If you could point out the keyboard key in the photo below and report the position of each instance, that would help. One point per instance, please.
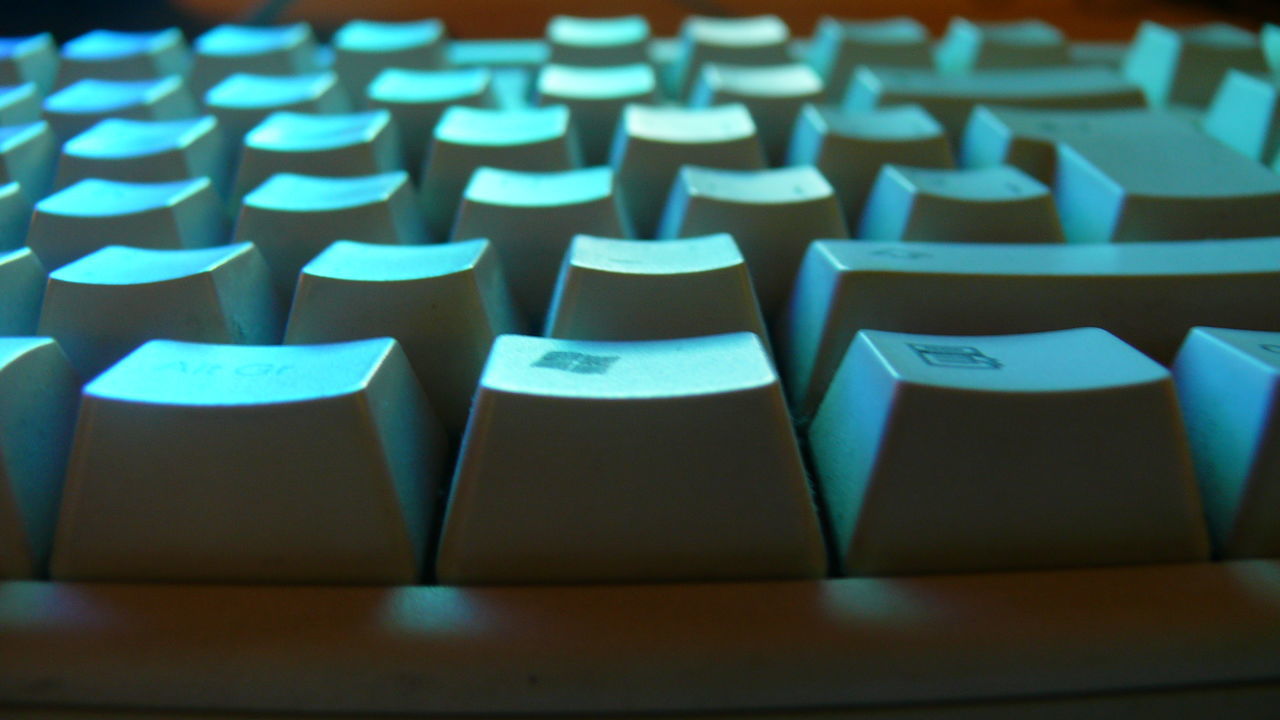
(28, 154)
(147, 151)
(839, 46)
(1245, 115)
(363, 48)
(227, 50)
(1185, 66)
(530, 217)
(242, 101)
(950, 98)
(969, 46)
(596, 97)
(970, 454)
(292, 218)
(1227, 387)
(641, 290)
(444, 303)
(654, 141)
(36, 420)
(999, 204)
(22, 281)
(343, 432)
(19, 104)
(598, 42)
(112, 55)
(773, 94)
(696, 411)
(80, 106)
(754, 40)
(15, 216)
(337, 145)
(850, 147)
(104, 305)
(772, 215)
(417, 99)
(1149, 294)
(31, 59)
(534, 140)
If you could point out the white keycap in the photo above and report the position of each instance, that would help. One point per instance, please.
(444, 303)
(598, 41)
(20, 104)
(1148, 294)
(36, 420)
(850, 147)
(839, 46)
(773, 94)
(754, 40)
(531, 217)
(1185, 66)
(533, 140)
(969, 46)
(417, 99)
(242, 101)
(596, 97)
(1227, 381)
(969, 454)
(337, 145)
(654, 141)
(15, 216)
(104, 305)
(147, 151)
(998, 204)
(363, 48)
(619, 462)
(641, 290)
(93, 214)
(343, 432)
(22, 281)
(267, 50)
(31, 59)
(1245, 115)
(79, 106)
(112, 55)
(292, 218)
(950, 98)
(28, 154)
(772, 215)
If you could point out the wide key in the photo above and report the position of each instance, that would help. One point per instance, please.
(444, 303)
(1149, 294)
(146, 151)
(241, 101)
(364, 48)
(970, 454)
(850, 147)
(104, 305)
(642, 290)
(596, 97)
(22, 279)
(969, 46)
(773, 94)
(417, 99)
(994, 204)
(93, 214)
(28, 154)
(292, 218)
(629, 462)
(259, 50)
(598, 42)
(31, 59)
(654, 141)
(839, 46)
(80, 106)
(41, 392)
(281, 464)
(534, 140)
(1227, 382)
(772, 215)
(754, 40)
(531, 217)
(113, 55)
(1186, 66)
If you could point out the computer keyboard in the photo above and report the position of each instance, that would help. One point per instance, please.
(742, 373)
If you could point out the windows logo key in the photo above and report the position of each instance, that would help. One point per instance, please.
(955, 356)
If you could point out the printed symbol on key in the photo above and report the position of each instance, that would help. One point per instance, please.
(903, 254)
(576, 362)
(1271, 348)
(955, 356)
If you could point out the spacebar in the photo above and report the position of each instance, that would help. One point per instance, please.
(813, 645)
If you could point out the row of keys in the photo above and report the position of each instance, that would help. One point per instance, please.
(909, 482)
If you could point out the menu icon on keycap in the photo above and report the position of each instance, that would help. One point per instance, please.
(955, 356)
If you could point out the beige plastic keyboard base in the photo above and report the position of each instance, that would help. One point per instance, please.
(1119, 640)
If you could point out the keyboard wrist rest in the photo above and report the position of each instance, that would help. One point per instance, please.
(846, 643)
